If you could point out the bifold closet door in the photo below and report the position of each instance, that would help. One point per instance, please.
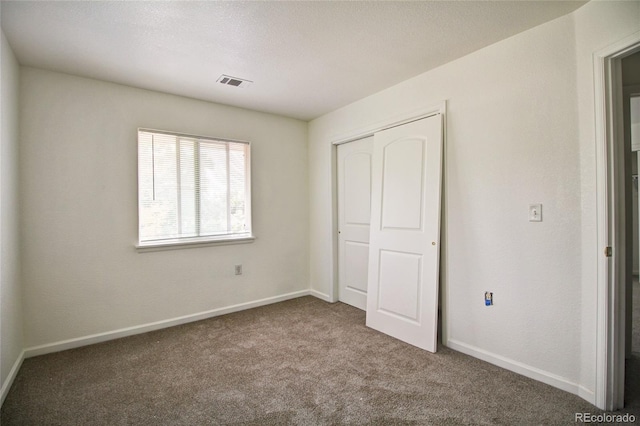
(354, 215)
(402, 290)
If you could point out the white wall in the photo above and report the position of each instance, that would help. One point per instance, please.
(10, 290)
(516, 134)
(82, 275)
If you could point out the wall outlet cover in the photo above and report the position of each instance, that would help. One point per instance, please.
(488, 298)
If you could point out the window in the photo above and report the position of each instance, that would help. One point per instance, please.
(192, 189)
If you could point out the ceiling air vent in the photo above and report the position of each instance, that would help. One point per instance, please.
(233, 81)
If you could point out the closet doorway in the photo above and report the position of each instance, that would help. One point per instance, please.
(389, 201)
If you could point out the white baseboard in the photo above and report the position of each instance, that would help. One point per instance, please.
(586, 394)
(321, 296)
(520, 368)
(144, 328)
(11, 377)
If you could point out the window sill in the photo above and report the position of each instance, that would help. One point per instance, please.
(192, 243)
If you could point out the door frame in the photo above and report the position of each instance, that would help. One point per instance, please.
(370, 130)
(610, 326)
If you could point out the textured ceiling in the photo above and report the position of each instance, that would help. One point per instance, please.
(305, 58)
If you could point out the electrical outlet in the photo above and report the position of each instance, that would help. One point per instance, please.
(238, 269)
(488, 298)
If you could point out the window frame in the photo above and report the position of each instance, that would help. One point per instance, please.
(199, 241)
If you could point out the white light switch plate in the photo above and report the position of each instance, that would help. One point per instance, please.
(535, 212)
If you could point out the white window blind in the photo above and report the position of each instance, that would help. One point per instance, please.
(192, 188)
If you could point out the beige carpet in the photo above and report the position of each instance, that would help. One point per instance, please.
(302, 361)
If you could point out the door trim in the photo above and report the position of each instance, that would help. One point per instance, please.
(610, 317)
(366, 131)
(393, 121)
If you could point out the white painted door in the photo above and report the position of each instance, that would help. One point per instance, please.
(354, 213)
(405, 232)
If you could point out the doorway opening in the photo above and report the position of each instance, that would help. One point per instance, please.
(614, 212)
(630, 67)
